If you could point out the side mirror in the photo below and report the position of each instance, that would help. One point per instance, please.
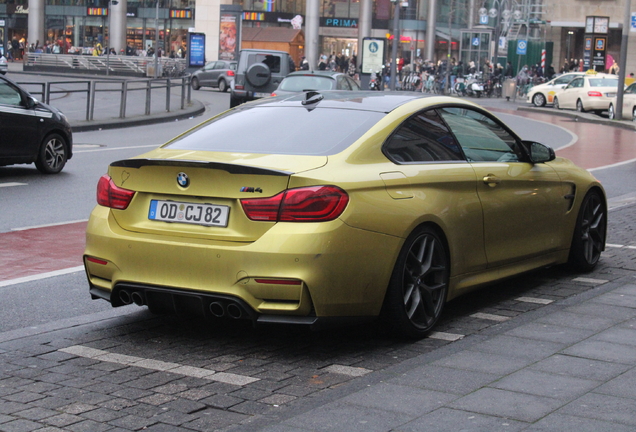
(539, 153)
(30, 102)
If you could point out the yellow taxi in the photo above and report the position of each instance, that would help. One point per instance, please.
(591, 92)
(543, 94)
(629, 104)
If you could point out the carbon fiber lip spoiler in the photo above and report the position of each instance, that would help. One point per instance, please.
(230, 168)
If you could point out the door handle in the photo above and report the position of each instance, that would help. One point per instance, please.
(492, 180)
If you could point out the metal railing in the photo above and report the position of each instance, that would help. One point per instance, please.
(104, 65)
(121, 87)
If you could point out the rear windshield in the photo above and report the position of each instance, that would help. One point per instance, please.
(272, 61)
(280, 130)
(603, 82)
(304, 83)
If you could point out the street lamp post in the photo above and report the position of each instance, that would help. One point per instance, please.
(396, 39)
(110, 39)
(157, 39)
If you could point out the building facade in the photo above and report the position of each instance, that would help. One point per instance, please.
(78, 25)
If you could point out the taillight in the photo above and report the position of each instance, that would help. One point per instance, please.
(594, 94)
(309, 204)
(273, 94)
(239, 87)
(230, 73)
(111, 195)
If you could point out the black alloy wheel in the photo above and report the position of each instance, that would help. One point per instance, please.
(53, 155)
(195, 83)
(419, 284)
(589, 233)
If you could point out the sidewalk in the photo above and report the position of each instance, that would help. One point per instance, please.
(107, 103)
(570, 366)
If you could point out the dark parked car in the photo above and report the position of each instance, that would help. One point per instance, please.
(302, 81)
(218, 74)
(258, 74)
(32, 131)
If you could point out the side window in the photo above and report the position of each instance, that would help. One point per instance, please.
(577, 83)
(209, 66)
(422, 138)
(353, 83)
(480, 137)
(9, 95)
(631, 89)
(343, 84)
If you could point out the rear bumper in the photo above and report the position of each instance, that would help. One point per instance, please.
(338, 271)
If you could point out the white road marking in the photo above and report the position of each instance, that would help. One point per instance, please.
(490, 317)
(614, 245)
(612, 165)
(9, 184)
(590, 280)
(41, 276)
(127, 360)
(49, 225)
(347, 370)
(445, 336)
(534, 300)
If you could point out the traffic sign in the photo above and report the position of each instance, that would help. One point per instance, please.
(522, 47)
(632, 27)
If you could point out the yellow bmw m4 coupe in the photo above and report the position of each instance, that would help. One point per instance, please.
(335, 207)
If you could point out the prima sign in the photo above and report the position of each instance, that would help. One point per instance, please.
(340, 22)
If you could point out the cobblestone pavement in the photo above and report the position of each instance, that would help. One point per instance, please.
(141, 372)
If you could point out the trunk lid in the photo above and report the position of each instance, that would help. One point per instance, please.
(214, 180)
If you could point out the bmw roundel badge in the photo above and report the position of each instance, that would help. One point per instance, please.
(183, 180)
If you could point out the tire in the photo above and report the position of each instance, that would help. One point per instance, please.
(588, 240)
(222, 85)
(634, 114)
(234, 102)
(53, 154)
(258, 74)
(538, 100)
(579, 106)
(195, 83)
(555, 103)
(419, 284)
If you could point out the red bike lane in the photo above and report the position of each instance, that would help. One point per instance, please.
(38, 251)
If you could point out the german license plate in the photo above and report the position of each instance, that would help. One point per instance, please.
(262, 95)
(189, 213)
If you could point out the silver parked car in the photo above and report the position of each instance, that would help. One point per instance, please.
(218, 74)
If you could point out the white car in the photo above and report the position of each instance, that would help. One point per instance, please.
(629, 104)
(591, 92)
(543, 94)
(3, 65)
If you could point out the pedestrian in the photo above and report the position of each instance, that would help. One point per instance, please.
(304, 64)
(351, 68)
(509, 72)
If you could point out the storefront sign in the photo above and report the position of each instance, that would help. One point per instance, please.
(93, 11)
(181, 13)
(230, 34)
(272, 17)
(600, 44)
(196, 49)
(17, 9)
(339, 22)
